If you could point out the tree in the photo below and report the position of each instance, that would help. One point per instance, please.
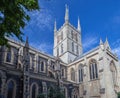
(13, 17)
(56, 93)
(118, 94)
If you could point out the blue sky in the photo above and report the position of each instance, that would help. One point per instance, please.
(98, 18)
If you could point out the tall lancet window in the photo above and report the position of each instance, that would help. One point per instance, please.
(72, 71)
(113, 71)
(61, 48)
(72, 34)
(77, 52)
(93, 69)
(8, 55)
(76, 37)
(11, 89)
(72, 46)
(80, 73)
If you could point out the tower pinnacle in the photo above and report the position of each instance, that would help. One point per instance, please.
(79, 27)
(101, 42)
(55, 26)
(66, 14)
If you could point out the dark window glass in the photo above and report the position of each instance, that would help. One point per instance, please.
(93, 71)
(10, 89)
(96, 70)
(42, 66)
(80, 75)
(8, 56)
(33, 91)
(90, 72)
(62, 72)
(53, 67)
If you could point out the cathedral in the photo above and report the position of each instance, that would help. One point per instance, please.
(26, 72)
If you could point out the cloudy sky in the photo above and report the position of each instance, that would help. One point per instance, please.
(99, 19)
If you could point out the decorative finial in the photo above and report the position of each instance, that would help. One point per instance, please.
(79, 27)
(101, 42)
(106, 41)
(66, 14)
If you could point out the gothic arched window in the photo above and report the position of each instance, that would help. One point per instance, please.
(80, 73)
(42, 66)
(11, 89)
(72, 74)
(113, 71)
(8, 56)
(93, 70)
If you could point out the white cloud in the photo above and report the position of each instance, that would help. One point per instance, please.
(41, 19)
(117, 51)
(116, 47)
(89, 42)
(44, 47)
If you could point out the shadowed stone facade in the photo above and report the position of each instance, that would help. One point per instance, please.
(26, 72)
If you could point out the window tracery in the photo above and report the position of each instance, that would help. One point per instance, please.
(93, 69)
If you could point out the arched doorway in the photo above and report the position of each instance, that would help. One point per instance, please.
(34, 90)
(11, 89)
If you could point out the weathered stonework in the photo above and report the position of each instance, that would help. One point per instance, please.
(27, 72)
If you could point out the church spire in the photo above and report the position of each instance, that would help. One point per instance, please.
(27, 43)
(79, 27)
(66, 14)
(55, 26)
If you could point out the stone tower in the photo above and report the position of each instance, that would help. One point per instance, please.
(67, 40)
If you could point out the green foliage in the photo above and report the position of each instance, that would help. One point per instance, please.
(41, 96)
(118, 94)
(13, 17)
(53, 93)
